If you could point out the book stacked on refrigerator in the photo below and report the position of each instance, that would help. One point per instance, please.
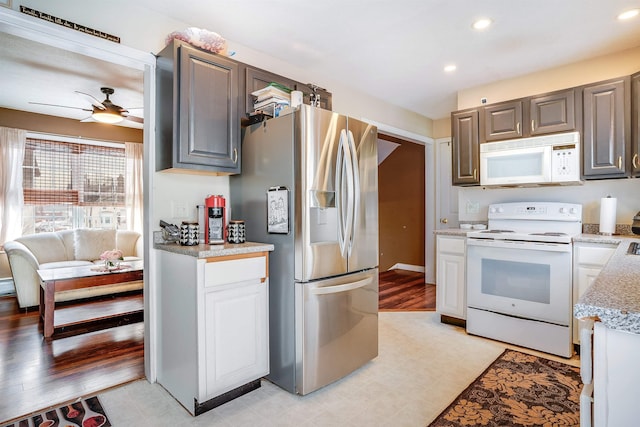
(271, 100)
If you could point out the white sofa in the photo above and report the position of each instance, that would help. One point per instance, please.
(68, 248)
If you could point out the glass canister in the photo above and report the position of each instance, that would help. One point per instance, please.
(189, 235)
(236, 231)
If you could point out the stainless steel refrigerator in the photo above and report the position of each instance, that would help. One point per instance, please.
(309, 186)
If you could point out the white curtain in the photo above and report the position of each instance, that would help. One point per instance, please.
(12, 143)
(133, 185)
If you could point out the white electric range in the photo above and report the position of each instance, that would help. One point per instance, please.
(519, 275)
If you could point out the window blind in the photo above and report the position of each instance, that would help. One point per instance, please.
(59, 173)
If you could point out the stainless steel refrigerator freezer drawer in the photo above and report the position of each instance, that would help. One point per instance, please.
(337, 323)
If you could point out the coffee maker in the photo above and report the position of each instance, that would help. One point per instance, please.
(215, 230)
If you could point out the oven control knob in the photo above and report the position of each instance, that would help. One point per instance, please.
(500, 209)
(573, 211)
(563, 210)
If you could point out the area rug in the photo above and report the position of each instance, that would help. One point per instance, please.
(84, 413)
(518, 389)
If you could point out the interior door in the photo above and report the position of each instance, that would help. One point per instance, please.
(447, 194)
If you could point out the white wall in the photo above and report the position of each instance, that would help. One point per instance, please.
(627, 192)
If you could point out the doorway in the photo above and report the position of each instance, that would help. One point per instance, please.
(401, 215)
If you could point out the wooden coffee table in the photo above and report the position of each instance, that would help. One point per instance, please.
(63, 279)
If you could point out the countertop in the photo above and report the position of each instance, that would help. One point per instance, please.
(208, 251)
(614, 296)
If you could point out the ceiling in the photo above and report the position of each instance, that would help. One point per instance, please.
(51, 76)
(392, 50)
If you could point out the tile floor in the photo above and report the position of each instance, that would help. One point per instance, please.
(422, 366)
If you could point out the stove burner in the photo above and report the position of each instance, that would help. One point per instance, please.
(549, 233)
(497, 231)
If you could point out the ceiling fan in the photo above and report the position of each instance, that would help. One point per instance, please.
(102, 111)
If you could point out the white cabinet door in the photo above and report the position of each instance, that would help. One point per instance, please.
(616, 376)
(450, 280)
(235, 335)
(589, 258)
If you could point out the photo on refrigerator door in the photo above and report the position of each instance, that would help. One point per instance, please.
(278, 210)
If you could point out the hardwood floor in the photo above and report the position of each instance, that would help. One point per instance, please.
(36, 373)
(403, 290)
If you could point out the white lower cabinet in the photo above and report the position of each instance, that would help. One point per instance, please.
(616, 376)
(588, 260)
(451, 298)
(213, 327)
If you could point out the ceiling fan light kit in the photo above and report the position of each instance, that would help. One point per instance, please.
(106, 117)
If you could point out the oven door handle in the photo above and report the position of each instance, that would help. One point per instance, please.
(517, 244)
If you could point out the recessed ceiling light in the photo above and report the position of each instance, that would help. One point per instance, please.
(482, 24)
(632, 13)
(450, 68)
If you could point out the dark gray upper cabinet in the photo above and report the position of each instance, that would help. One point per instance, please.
(606, 109)
(537, 115)
(501, 121)
(465, 147)
(197, 108)
(552, 113)
(635, 124)
(257, 78)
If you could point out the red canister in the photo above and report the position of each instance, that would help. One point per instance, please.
(215, 230)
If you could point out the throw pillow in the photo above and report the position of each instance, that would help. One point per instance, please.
(90, 244)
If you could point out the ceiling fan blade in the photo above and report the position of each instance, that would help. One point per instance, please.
(88, 120)
(61, 106)
(134, 119)
(92, 99)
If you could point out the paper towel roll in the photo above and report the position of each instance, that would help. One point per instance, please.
(608, 215)
(296, 98)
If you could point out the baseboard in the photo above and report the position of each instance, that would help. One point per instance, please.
(409, 267)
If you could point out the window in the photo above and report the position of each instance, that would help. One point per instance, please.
(71, 185)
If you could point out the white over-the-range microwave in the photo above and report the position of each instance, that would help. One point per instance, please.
(548, 159)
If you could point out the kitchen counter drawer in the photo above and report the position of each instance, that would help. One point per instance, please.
(226, 271)
(451, 245)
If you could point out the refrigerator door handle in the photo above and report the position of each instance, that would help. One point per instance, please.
(339, 189)
(355, 200)
(344, 190)
(340, 288)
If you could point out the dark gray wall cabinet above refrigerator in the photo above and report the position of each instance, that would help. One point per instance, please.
(197, 108)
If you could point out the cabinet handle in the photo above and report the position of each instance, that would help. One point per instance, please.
(620, 162)
(634, 161)
(518, 128)
(475, 173)
(235, 155)
(533, 125)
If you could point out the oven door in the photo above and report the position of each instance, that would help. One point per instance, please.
(521, 279)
